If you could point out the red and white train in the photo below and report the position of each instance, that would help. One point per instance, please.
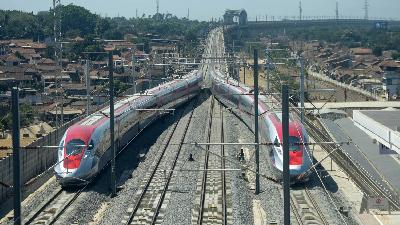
(237, 97)
(85, 147)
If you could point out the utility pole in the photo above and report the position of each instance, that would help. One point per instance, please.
(164, 66)
(158, 6)
(302, 89)
(366, 8)
(112, 134)
(337, 10)
(267, 67)
(16, 156)
(57, 56)
(133, 69)
(286, 171)
(244, 71)
(188, 13)
(300, 11)
(61, 85)
(256, 138)
(87, 88)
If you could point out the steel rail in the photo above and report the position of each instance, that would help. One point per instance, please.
(204, 178)
(315, 205)
(161, 200)
(223, 174)
(159, 160)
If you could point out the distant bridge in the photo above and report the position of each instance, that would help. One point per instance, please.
(255, 27)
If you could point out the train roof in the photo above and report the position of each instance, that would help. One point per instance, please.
(127, 103)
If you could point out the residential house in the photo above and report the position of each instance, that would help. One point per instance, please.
(12, 60)
(391, 79)
(75, 89)
(363, 55)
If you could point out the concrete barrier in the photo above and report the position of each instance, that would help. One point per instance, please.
(345, 86)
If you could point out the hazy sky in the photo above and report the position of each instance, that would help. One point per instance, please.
(205, 9)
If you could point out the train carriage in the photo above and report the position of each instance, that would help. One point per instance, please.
(239, 99)
(85, 147)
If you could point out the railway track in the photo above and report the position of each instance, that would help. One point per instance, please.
(54, 207)
(56, 204)
(305, 208)
(213, 193)
(151, 195)
(367, 184)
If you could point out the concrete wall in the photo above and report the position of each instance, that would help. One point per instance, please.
(33, 161)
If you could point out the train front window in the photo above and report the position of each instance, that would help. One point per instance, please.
(75, 147)
(294, 144)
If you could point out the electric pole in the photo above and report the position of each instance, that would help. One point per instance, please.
(300, 11)
(337, 10)
(16, 156)
(366, 8)
(57, 51)
(112, 130)
(87, 87)
(285, 145)
(267, 67)
(302, 89)
(133, 69)
(256, 137)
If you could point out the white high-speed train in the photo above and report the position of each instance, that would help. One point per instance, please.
(237, 97)
(85, 147)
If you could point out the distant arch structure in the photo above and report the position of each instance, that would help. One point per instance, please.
(230, 15)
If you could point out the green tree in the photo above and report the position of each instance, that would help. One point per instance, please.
(27, 116)
(77, 20)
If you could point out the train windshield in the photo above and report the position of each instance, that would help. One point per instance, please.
(75, 147)
(294, 144)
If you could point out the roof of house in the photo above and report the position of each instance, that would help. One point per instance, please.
(389, 63)
(17, 76)
(361, 51)
(12, 58)
(23, 50)
(46, 61)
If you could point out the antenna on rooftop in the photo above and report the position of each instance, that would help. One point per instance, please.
(300, 11)
(366, 6)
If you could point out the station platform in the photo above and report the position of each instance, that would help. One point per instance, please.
(365, 151)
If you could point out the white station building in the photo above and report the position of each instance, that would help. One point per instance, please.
(381, 125)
